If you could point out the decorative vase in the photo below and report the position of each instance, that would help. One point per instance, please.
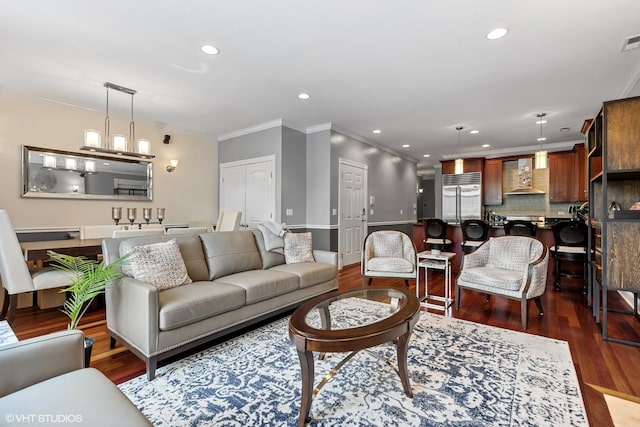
(88, 345)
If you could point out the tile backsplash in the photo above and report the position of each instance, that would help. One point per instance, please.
(528, 204)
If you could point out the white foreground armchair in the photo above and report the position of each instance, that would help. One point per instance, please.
(510, 266)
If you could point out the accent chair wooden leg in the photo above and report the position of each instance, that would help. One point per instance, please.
(370, 280)
(457, 297)
(5, 304)
(539, 305)
(13, 306)
(557, 287)
(524, 303)
(406, 283)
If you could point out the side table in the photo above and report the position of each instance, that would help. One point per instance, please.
(436, 261)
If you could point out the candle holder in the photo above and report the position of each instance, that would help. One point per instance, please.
(146, 214)
(116, 214)
(131, 215)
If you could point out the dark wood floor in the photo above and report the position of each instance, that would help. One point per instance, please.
(567, 317)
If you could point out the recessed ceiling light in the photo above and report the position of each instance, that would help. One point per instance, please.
(377, 131)
(486, 145)
(405, 146)
(210, 50)
(304, 95)
(475, 131)
(497, 33)
(426, 155)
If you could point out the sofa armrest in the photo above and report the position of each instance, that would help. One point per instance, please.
(34, 360)
(133, 311)
(325, 257)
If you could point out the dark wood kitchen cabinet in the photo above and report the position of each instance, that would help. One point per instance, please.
(567, 176)
(469, 165)
(492, 182)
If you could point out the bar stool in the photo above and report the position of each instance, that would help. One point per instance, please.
(570, 239)
(435, 232)
(474, 233)
(518, 227)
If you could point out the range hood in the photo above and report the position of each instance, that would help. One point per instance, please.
(516, 191)
(525, 179)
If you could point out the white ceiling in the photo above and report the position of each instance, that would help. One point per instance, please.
(415, 69)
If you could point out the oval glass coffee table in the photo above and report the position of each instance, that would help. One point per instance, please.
(350, 321)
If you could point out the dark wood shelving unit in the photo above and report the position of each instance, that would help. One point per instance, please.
(613, 141)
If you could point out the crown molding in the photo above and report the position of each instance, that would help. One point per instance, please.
(372, 143)
(251, 129)
(319, 128)
(515, 151)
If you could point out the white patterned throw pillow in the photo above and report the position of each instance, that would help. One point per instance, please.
(160, 264)
(298, 248)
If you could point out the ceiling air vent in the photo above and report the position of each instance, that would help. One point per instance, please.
(631, 43)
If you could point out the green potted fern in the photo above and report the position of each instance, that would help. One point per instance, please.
(89, 279)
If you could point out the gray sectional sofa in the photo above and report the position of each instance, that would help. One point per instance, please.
(236, 282)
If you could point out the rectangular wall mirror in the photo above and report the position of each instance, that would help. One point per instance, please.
(48, 173)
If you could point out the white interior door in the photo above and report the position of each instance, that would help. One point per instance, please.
(248, 186)
(352, 216)
(260, 194)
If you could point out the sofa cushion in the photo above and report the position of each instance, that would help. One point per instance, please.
(190, 248)
(501, 278)
(229, 252)
(199, 300)
(387, 244)
(261, 285)
(391, 265)
(298, 248)
(159, 264)
(309, 273)
(269, 258)
(513, 252)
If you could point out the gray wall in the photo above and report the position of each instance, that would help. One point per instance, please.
(391, 179)
(294, 176)
(319, 180)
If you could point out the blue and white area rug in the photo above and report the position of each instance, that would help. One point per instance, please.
(461, 373)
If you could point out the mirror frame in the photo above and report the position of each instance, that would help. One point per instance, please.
(26, 193)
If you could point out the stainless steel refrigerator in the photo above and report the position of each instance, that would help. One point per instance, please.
(461, 197)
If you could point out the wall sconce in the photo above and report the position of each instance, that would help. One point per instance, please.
(172, 165)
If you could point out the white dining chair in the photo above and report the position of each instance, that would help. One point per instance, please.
(16, 278)
(138, 233)
(187, 230)
(229, 221)
(98, 231)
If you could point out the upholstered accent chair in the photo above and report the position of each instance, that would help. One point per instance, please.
(519, 227)
(474, 233)
(435, 235)
(46, 375)
(509, 266)
(388, 253)
(570, 238)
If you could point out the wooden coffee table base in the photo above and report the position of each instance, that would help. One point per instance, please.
(397, 328)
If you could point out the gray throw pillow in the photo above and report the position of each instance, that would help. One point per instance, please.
(159, 264)
(298, 248)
